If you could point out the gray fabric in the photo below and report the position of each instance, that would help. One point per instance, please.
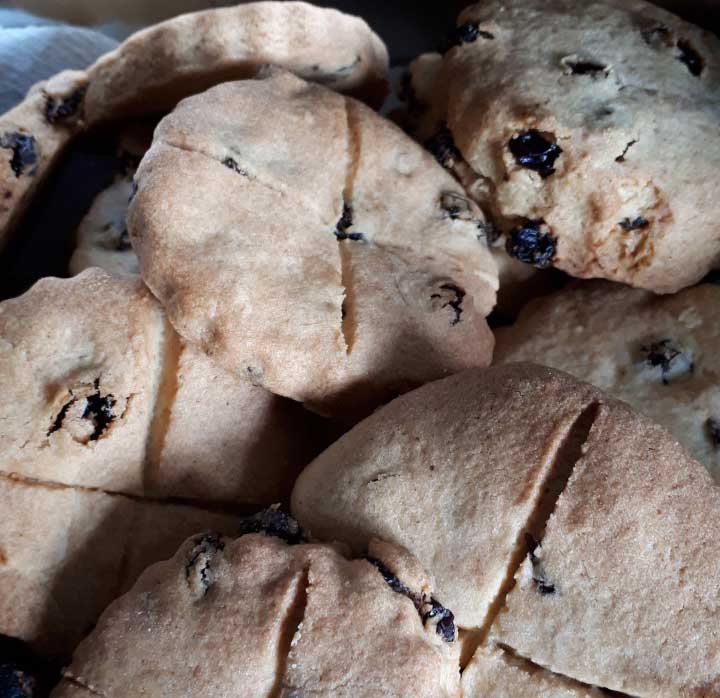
(17, 18)
(32, 49)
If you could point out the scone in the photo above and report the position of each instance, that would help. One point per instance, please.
(156, 67)
(33, 135)
(98, 391)
(657, 353)
(555, 521)
(308, 245)
(66, 553)
(424, 117)
(257, 617)
(591, 132)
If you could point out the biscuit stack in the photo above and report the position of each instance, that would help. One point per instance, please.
(285, 302)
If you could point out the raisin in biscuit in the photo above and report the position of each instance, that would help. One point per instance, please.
(98, 391)
(32, 136)
(420, 453)
(156, 67)
(520, 478)
(66, 553)
(425, 105)
(257, 617)
(308, 245)
(567, 118)
(656, 353)
(630, 547)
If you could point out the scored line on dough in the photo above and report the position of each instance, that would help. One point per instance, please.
(168, 359)
(566, 456)
(290, 630)
(512, 658)
(348, 322)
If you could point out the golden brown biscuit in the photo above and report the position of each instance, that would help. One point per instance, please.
(426, 105)
(454, 472)
(658, 353)
(32, 137)
(577, 532)
(631, 546)
(98, 391)
(65, 553)
(156, 67)
(256, 617)
(565, 117)
(308, 245)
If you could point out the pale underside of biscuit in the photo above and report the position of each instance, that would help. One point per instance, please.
(310, 246)
(256, 617)
(658, 353)
(99, 392)
(102, 239)
(153, 69)
(553, 519)
(591, 134)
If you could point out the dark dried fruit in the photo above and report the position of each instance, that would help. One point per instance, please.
(455, 301)
(669, 357)
(634, 223)
(63, 109)
(390, 579)
(345, 222)
(531, 244)
(442, 146)
(443, 618)
(690, 57)
(99, 410)
(232, 164)
(58, 421)
(465, 34)
(535, 152)
(197, 570)
(346, 219)
(713, 427)
(24, 153)
(430, 610)
(273, 522)
(628, 145)
(585, 67)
